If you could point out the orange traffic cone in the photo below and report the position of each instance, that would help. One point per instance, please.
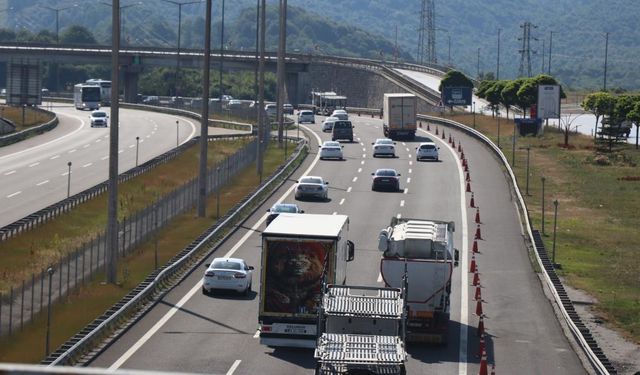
(480, 326)
(479, 307)
(443, 134)
(478, 295)
(475, 246)
(477, 215)
(468, 178)
(476, 277)
(478, 234)
(468, 187)
(449, 138)
(428, 127)
(462, 155)
(472, 267)
(472, 204)
(453, 144)
(481, 348)
(459, 147)
(483, 365)
(466, 166)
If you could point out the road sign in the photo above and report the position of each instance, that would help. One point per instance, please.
(548, 101)
(456, 95)
(24, 83)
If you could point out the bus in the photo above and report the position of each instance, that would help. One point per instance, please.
(105, 89)
(86, 96)
(324, 103)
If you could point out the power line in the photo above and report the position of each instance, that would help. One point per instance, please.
(427, 33)
(526, 51)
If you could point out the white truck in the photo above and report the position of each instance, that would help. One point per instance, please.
(423, 249)
(399, 115)
(361, 331)
(298, 252)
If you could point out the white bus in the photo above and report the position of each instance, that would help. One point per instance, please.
(105, 89)
(86, 96)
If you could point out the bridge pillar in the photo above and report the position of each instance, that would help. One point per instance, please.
(130, 84)
(293, 89)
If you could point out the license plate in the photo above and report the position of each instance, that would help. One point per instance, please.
(224, 277)
(295, 329)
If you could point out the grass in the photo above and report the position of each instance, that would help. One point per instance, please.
(23, 255)
(598, 205)
(91, 300)
(31, 117)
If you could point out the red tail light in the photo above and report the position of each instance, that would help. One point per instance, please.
(239, 275)
(265, 328)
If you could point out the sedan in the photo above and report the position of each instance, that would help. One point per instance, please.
(341, 114)
(287, 109)
(327, 125)
(312, 187)
(99, 118)
(427, 150)
(279, 208)
(331, 150)
(229, 274)
(385, 179)
(306, 116)
(384, 146)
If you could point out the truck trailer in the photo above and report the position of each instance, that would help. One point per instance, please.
(299, 251)
(423, 249)
(399, 115)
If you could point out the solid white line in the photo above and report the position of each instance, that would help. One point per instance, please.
(72, 151)
(349, 189)
(234, 366)
(138, 344)
(42, 183)
(341, 202)
(34, 164)
(355, 179)
(54, 157)
(87, 165)
(402, 203)
(10, 173)
(14, 194)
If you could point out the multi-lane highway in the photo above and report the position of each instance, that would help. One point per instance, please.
(188, 331)
(35, 172)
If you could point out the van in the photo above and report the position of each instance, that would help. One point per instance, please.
(342, 130)
(271, 109)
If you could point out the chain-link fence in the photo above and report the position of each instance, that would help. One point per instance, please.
(18, 306)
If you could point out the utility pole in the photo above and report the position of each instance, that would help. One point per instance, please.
(498, 62)
(543, 49)
(525, 51)
(395, 50)
(606, 54)
(280, 70)
(449, 42)
(478, 66)
(262, 131)
(550, 43)
(112, 205)
(221, 51)
(427, 49)
(204, 125)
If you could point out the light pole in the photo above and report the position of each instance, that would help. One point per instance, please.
(221, 50)
(498, 62)
(69, 180)
(177, 133)
(58, 10)
(449, 43)
(218, 193)
(478, 65)
(121, 14)
(513, 148)
(137, 145)
(498, 125)
(177, 76)
(528, 148)
(555, 226)
(50, 273)
(543, 179)
(473, 109)
(606, 54)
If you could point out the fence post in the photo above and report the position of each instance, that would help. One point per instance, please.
(0, 314)
(10, 311)
(75, 279)
(91, 259)
(60, 263)
(84, 253)
(41, 288)
(22, 307)
(68, 271)
(33, 292)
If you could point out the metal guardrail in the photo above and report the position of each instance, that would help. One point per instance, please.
(24, 134)
(159, 282)
(599, 362)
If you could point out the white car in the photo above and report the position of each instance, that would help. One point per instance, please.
(99, 118)
(271, 109)
(312, 187)
(331, 150)
(341, 114)
(384, 147)
(227, 273)
(327, 125)
(306, 116)
(427, 150)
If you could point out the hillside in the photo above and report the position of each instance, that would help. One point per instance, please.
(357, 28)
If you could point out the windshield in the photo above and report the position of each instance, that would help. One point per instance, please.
(311, 180)
(91, 94)
(285, 208)
(226, 265)
(99, 114)
(342, 124)
(427, 147)
(384, 142)
(385, 172)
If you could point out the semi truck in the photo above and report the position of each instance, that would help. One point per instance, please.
(423, 250)
(399, 115)
(299, 251)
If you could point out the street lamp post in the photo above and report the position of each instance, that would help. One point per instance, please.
(221, 50)
(498, 116)
(513, 147)
(58, 10)
(137, 146)
(543, 179)
(606, 55)
(121, 12)
(473, 109)
(555, 226)
(177, 133)
(50, 273)
(69, 180)
(528, 148)
(218, 193)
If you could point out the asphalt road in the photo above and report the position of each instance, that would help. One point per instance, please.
(34, 173)
(188, 331)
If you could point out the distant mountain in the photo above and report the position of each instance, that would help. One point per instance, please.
(364, 28)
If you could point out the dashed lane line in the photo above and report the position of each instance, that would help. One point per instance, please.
(54, 157)
(349, 189)
(402, 203)
(10, 173)
(408, 180)
(234, 366)
(406, 191)
(34, 164)
(355, 179)
(14, 194)
(341, 202)
(72, 151)
(42, 183)
(87, 165)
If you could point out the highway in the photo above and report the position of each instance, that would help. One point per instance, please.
(190, 332)
(35, 173)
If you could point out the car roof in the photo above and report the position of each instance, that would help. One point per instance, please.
(234, 260)
(306, 111)
(386, 170)
(336, 143)
(284, 205)
(384, 140)
(339, 111)
(427, 143)
(310, 177)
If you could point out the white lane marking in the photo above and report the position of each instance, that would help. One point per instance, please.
(364, 156)
(349, 189)
(408, 180)
(335, 213)
(196, 288)
(14, 194)
(361, 144)
(410, 170)
(72, 151)
(87, 165)
(141, 140)
(234, 366)
(54, 157)
(87, 145)
(42, 183)
(106, 136)
(120, 151)
(364, 149)
(257, 334)
(407, 149)
(362, 162)
(10, 173)
(402, 203)
(410, 162)
(379, 277)
(355, 179)
(34, 164)
(406, 190)
(409, 155)
(399, 216)
(104, 157)
(64, 174)
(149, 136)
(341, 202)
(359, 170)
(98, 140)
(132, 146)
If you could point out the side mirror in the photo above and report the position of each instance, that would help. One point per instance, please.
(207, 265)
(456, 257)
(399, 174)
(301, 211)
(319, 146)
(351, 254)
(326, 182)
(372, 143)
(250, 268)
(372, 173)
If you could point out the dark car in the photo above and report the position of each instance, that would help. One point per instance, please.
(385, 179)
(279, 208)
(287, 109)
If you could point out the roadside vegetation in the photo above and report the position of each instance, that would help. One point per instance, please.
(86, 303)
(598, 194)
(31, 116)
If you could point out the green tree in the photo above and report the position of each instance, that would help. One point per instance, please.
(454, 78)
(509, 93)
(600, 104)
(494, 94)
(634, 117)
(7, 35)
(77, 35)
(483, 87)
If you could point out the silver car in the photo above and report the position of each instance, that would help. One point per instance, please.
(327, 125)
(306, 116)
(384, 147)
(341, 114)
(312, 187)
(227, 273)
(331, 150)
(99, 118)
(427, 150)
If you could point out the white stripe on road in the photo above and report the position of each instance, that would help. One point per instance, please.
(87, 145)
(355, 179)
(120, 151)
(359, 170)
(257, 334)
(72, 151)
(234, 366)
(408, 180)
(410, 162)
(87, 165)
(410, 170)
(334, 213)
(10, 173)
(54, 157)
(132, 146)
(349, 189)
(64, 174)
(98, 140)
(379, 277)
(364, 156)
(406, 190)
(34, 164)
(399, 216)
(14, 194)
(402, 203)
(362, 162)
(42, 183)
(104, 157)
(341, 202)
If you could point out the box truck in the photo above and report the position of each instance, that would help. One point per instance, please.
(399, 115)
